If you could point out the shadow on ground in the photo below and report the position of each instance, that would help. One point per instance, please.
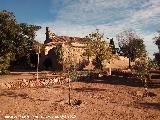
(21, 95)
(85, 89)
(155, 106)
(121, 80)
(13, 94)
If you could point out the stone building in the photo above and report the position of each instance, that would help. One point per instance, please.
(73, 50)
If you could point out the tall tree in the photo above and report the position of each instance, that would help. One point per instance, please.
(131, 45)
(99, 48)
(157, 42)
(16, 38)
(112, 45)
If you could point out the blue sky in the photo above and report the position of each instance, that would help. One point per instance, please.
(80, 17)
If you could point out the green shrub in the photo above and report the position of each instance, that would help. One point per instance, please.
(142, 69)
(5, 64)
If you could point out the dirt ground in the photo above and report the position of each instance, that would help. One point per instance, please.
(99, 99)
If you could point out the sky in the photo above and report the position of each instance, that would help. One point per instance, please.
(81, 17)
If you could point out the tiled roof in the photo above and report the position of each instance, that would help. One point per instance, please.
(65, 39)
(53, 38)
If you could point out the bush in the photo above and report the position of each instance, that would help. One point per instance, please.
(157, 58)
(5, 64)
(83, 64)
(142, 69)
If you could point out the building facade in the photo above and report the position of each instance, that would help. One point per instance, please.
(73, 49)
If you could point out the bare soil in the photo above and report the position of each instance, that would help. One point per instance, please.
(99, 99)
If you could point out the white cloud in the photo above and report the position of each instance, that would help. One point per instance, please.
(80, 17)
(150, 45)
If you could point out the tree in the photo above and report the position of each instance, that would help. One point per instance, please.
(157, 58)
(16, 38)
(142, 68)
(98, 47)
(112, 45)
(131, 45)
(157, 42)
(69, 66)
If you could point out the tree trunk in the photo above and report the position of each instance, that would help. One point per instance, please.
(129, 62)
(110, 73)
(69, 94)
(38, 61)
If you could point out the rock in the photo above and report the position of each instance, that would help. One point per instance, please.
(55, 80)
(32, 84)
(26, 82)
(76, 102)
(42, 83)
(15, 85)
(68, 80)
(8, 85)
(38, 83)
(100, 75)
(139, 94)
(47, 82)
(3, 86)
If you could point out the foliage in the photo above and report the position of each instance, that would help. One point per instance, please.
(157, 58)
(131, 45)
(68, 61)
(153, 64)
(142, 68)
(59, 52)
(98, 47)
(70, 69)
(70, 66)
(82, 64)
(33, 59)
(157, 42)
(88, 51)
(38, 47)
(112, 45)
(157, 39)
(4, 63)
(16, 39)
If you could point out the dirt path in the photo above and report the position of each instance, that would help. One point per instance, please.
(100, 101)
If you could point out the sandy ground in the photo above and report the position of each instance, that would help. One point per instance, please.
(98, 100)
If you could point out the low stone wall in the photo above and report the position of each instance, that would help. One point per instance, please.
(24, 83)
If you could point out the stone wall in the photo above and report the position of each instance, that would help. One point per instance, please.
(29, 83)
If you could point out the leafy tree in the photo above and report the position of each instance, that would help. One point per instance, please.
(157, 58)
(59, 53)
(131, 45)
(98, 47)
(88, 52)
(142, 69)
(157, 42)
(5, 63)
(16, 39)
(112, 45)
(70, 67)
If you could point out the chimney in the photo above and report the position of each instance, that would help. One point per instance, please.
(47, 36)
(47, 33)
